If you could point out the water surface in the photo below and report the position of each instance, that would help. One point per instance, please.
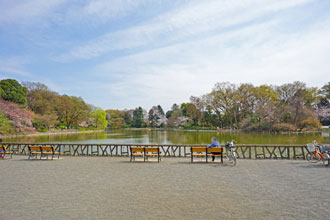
(173, 137)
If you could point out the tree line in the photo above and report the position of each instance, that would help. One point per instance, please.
(31, 106)
(288, 107)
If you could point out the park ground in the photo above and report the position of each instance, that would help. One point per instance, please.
(114, 188)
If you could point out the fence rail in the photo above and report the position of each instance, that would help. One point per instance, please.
(118, 150)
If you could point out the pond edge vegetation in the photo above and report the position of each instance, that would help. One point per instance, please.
(293, 107)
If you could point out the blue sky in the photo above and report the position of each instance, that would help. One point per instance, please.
(129, 53)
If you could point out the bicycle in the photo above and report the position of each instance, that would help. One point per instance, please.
(231, 150)
(325, 150)
(318, 153)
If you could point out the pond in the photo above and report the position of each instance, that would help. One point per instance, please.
(148, 136)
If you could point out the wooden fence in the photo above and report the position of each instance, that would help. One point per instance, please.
(118, 150)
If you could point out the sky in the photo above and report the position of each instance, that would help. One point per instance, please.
(119, 54)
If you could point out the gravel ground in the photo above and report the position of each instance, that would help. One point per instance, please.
(113, 188)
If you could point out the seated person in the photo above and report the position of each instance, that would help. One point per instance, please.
(215, 143)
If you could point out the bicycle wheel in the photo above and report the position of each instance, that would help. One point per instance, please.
(325, 159)
(310, 157)
(232, 158)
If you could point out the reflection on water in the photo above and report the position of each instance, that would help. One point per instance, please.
(173, 137)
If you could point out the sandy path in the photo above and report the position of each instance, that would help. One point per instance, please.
(113, 188)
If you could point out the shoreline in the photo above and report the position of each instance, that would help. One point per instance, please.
(49, 133)
(155, 129)
(222, 130)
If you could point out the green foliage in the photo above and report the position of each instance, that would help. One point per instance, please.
(5, 126)
(71, 111)
(99, 118)
(325, 90)
(310, 125)
(261, 108)
(138, 118)
(160, 109)
(12, 91)
(44, 122)
(119, 119)
(255, 125)
(40, 99)
(265, 94)
(168, 113)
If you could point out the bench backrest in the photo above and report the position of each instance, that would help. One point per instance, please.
(215, 150)
(137, 149)
(47, 148)
(35, 148)
(152, 149)
(198, 149)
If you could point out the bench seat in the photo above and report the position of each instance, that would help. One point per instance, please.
(34, 151)
(206, 152)
(145, 152)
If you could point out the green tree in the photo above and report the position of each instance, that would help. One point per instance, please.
(160, 110)
(116, 118)
(13, 91)
(224, 103)
(72, 110)
(265, 94)
(40, 99)
(44, 122)
(128, 117)
(138, 118)
(99, 118)
(325, 90)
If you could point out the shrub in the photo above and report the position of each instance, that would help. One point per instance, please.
(19, 118)
(5, 126)
(310, 125)
(12, 91)
(44, 122)
(255, 125)
(284, 127)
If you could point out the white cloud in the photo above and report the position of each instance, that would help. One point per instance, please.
(13, 66)
(257, 54)
(26, 11)
(198, 18)
(14, 71)
(183, 51)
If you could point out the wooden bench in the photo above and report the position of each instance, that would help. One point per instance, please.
(48, 150)
(215, 152)
(43, 151)
(4, 151)
(206, 152)
(145, 152)
(153, 152)
(137, 152)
